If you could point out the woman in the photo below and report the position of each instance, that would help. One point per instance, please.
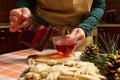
(80, 17)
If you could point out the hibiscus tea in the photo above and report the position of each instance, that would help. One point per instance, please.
(64, 45)
(38, 34)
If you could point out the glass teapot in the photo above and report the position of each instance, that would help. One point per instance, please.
(38, 34)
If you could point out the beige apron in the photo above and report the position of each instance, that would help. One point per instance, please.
(65, 14)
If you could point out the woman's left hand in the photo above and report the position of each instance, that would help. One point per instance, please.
(79, 35)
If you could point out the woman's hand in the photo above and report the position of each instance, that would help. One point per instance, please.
(19, 18)
(78, 34)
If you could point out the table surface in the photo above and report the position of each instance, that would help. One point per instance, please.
(14, 63)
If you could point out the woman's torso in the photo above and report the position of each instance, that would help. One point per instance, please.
(64, 12)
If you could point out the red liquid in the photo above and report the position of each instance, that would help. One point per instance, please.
(37, 39)
(65, 49)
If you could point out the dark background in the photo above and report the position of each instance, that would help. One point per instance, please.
(109, 25)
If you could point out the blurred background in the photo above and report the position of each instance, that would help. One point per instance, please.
(109, 24)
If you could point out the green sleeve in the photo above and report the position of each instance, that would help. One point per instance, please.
(94, 16)
(25, 3)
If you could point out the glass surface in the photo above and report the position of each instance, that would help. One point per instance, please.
(38, 34)
(64, 45)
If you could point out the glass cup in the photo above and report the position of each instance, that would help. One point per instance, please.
(64, 45)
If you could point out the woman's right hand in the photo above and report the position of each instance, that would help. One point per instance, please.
(19, 18)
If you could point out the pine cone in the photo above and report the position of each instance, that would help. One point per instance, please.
(91, 51)
(112, 67)
(92, 54)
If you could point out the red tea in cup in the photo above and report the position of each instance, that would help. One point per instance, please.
(64, 45)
